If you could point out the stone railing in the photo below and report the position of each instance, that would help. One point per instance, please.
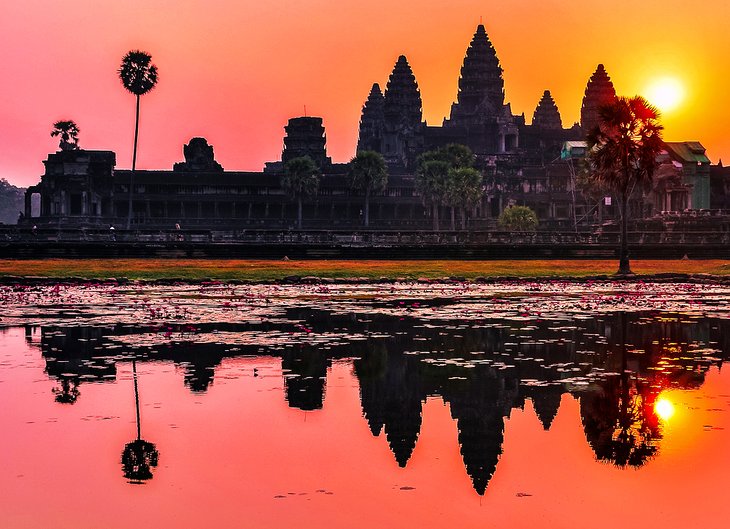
(350, 238)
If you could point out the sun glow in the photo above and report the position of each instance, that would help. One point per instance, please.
(665, 93)
(664, 408)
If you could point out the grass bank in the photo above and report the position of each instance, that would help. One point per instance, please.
(262, 270)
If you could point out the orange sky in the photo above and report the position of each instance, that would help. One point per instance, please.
(235, 71)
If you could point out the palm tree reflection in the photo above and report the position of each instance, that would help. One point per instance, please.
(619, 419)
(139, 456)
(68, 390)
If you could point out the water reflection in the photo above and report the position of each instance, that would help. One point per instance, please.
(139, 456)
(616, 364)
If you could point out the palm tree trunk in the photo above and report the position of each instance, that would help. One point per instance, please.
(435, 216)
(462, 212)
(623, 265)
(367, 207)
(453, 218)
(134, 165)
(136, 398)
(299, 212)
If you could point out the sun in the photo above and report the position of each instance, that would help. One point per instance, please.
(666, 93)
(664, 408)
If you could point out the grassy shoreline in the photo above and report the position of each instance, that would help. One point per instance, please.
(267, 270)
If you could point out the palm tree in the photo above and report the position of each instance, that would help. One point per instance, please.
(622, 153)
(431, 180)
(464, 190)
(69, 132)
(139, 456)
(433, 176)
(138, 76)
(300, 179)
(370, 175)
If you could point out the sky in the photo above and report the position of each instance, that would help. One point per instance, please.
(234, 71)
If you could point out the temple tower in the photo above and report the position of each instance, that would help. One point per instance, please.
(481, 87)
(546, 114)
(370, 137)
(402, 112)
(599, 91)
(305, 136)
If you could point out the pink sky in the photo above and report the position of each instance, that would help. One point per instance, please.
(235, 71)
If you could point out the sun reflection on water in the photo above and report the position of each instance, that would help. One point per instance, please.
(664, 408)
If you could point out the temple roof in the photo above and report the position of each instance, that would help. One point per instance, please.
(688, 151)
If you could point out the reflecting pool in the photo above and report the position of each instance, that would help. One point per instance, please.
(449, 404)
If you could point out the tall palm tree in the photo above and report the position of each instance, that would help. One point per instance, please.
(464, 190)
(622, 153)
(139, 76)
(431, 181)
(370, 175)
(300, 179)
(436, 180)
(139, 456)
(69, 132)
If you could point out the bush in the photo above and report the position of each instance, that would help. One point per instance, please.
(518, 218)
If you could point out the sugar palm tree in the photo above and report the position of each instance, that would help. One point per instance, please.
(69, 132)
(370, 175)
(139, 456)
(139, 76)
(622, 153)
(464, 190)
(431, 181)
(300, 179)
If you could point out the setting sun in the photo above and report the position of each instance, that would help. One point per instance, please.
(664, 408)
(665, 93)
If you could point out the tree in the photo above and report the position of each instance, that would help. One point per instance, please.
(622, 153)
(433, 176)
(369, 174)
(300, 179)
(12, 202)
(463, 191)
(69, 132)
(138, 76)
(139, 456)
(518, 218)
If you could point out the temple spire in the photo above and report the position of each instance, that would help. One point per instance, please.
(403, 114)
(546, 114)
(481, 86)
(371, 121)
(599, 92)
(402, 97)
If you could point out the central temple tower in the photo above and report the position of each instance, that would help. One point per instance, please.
(481, 87)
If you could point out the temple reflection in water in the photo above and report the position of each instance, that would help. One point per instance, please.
(616, 365)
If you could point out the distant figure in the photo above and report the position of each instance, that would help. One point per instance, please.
(112, 232)
(34, 230)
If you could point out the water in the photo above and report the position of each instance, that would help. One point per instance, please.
(430, 405)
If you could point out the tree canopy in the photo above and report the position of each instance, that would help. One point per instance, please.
(369, 174)
(622, 151)
(518, 218)
(137, 73)
(69, 132)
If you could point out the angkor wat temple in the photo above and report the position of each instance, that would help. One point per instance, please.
(525, 164)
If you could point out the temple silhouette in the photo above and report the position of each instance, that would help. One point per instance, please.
(532, 164)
